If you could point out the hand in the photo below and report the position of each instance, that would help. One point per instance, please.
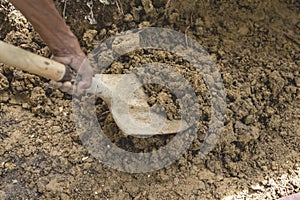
(64, 45)
(82, 66)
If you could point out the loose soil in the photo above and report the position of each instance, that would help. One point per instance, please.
(256, 46)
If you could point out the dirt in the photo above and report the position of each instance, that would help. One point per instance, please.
(256, 47)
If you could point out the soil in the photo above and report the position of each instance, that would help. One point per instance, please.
(256, 46)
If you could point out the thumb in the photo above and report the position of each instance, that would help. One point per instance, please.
(86, 73)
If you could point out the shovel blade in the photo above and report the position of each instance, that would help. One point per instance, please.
(141, 120)
(127, 102)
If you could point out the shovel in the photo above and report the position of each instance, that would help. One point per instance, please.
(133, 115)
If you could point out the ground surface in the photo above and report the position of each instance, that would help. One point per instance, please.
(256, 46)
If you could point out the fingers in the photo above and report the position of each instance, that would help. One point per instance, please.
(56, 84)
(66, 87)
(86, 73)
(82, 87)
(82, 65)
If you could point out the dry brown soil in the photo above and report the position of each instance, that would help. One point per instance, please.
(256, 45)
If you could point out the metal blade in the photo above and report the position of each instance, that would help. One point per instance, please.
(128, 104)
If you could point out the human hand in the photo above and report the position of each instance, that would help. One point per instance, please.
(82, 66)
(61, 41)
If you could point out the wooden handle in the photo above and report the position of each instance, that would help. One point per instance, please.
(32, 63)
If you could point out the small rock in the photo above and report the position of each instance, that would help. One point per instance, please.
(25, 105)
(240, 125)
(64, 196)
(176, 181)
(103, 32)
(257, 187)
(89, 36)
(4, 97)
(150, 197)
(144, 24)
(173, 18)
(297, 80)
(264, 168)
(298, 25)
(136, 13)
(201, 186)
(84, 158)
(148, 6)
(270, 111)
(272, 183)
(276, 82)
(53, 186)
(41, 186)
(255, 133)
(244, 30)
(14, 101)
(128, 18)
(2, 195)
(10, 166)
(229, 198)
(265, 182)
(199, 22)
(249, 119)
(164, 177)
(4, 84)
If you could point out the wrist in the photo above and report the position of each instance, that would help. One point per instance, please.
(65, 44)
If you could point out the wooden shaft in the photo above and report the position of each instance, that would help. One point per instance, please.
(32, 63)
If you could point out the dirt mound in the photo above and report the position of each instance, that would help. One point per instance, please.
(256, 47)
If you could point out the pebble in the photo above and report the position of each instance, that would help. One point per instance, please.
(148, 6)
(102, 32)
(128, 18)
(298, 25)
(176, 181)
(243, 30)
(297, 80)
(84, 158)
(2, 195)
(249, 119)
(144, 24)
(257, 187)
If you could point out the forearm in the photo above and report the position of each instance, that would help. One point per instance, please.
(47, 21)
(64, 45)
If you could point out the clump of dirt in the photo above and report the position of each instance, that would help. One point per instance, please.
(255, 45)
(271, 187)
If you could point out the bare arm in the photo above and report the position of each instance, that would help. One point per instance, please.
(64, 45)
